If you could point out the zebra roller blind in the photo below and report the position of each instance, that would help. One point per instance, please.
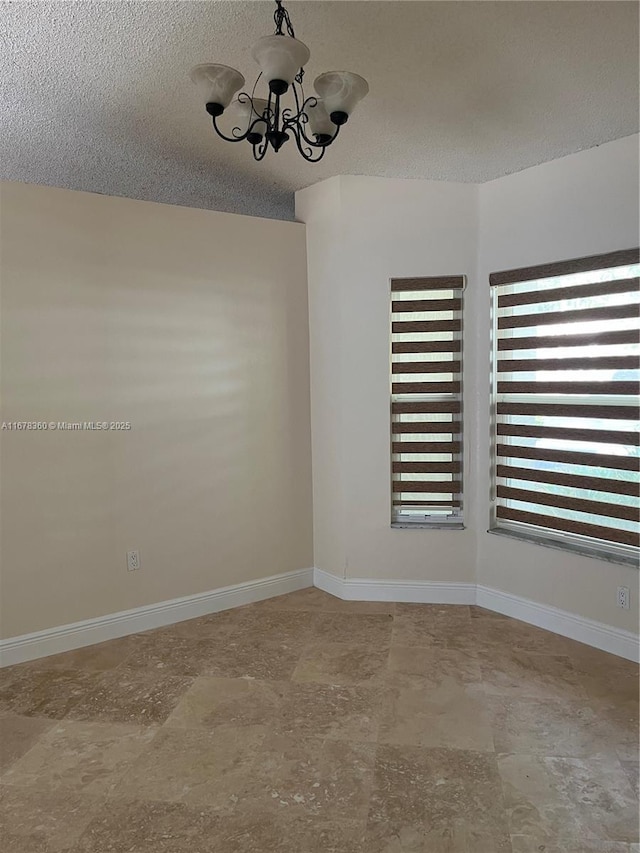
(566, 358)
(426, 401)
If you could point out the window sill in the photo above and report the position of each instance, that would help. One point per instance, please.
(421, 525)
(583, 549)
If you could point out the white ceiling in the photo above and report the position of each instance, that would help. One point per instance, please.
(96, 95)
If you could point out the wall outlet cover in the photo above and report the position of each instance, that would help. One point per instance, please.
(133, 561)
(623, 597)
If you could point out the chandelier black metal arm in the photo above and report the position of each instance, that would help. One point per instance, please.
(305, 149)
(278, 123)
(260, 148)
(300, 118)
(237, 134)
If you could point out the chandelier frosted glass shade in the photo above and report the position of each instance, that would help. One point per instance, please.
(217, 83)
(319, 123)
(280, 57)
(247, 116)
(340, 91)
(313, 123)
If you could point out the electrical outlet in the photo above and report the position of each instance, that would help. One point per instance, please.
(133, 561)
(623, 597)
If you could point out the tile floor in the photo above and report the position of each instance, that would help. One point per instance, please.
(305, 724)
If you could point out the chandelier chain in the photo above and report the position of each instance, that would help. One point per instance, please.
(281, 17)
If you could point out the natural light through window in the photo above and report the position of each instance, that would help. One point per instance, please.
(565, 379)
(426, 401)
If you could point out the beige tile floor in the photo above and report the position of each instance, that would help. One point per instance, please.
(305, 724)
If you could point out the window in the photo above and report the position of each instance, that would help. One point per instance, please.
(566, 354)
(426, 401)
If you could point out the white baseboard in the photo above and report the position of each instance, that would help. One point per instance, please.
(616, 641)
(416, 592)
(90, 631)
(27, 647)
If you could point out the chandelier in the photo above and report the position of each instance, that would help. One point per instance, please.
(314, 122)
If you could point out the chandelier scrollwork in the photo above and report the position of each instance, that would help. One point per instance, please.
(314, 122)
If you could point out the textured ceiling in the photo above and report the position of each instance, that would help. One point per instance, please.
(96, 95)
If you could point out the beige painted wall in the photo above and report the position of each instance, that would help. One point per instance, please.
(320, 208)
(361, 232)
(580, 205)
(193, 326)
(190, 324)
